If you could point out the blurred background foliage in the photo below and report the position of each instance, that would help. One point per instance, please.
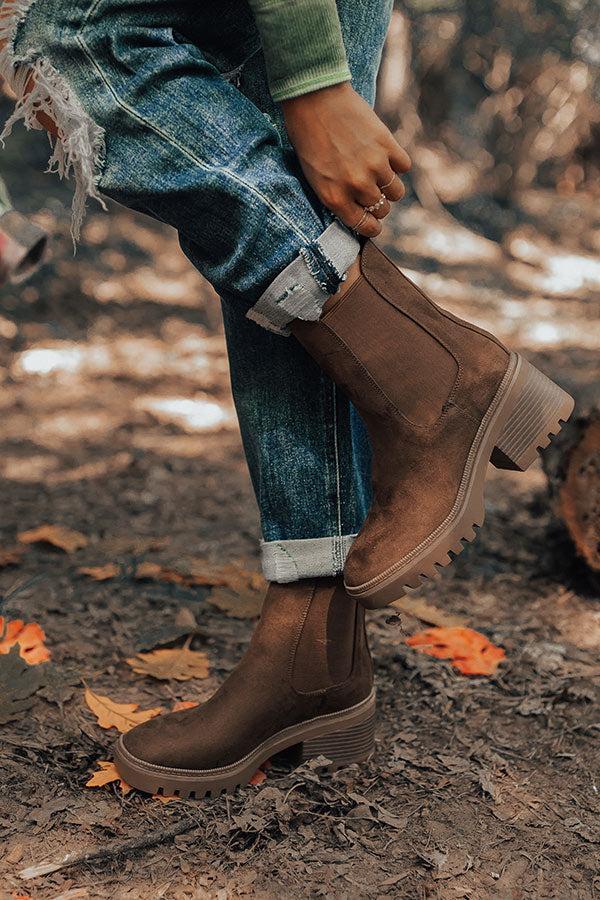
(493, 97)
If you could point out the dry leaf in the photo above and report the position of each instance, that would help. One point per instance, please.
(259, 777)
(107, 774)
(58, 535)
(122, 716)
(180, 663)
(470, 652)
(198, 573)
(229, 576)
(30, 639)
(100, 573)
(184, 704)
(245, 604)
(427, 612)
(11, 556)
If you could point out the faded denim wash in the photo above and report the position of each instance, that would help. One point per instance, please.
(164, 107)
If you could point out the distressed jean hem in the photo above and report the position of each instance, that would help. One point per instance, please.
(301, 289)
(285, 561)
(79, 147)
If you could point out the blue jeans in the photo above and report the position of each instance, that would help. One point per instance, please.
(164, 107)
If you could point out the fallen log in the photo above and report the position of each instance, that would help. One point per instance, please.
(572, 465)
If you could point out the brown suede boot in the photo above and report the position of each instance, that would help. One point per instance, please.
(439, 397)
(306, 679)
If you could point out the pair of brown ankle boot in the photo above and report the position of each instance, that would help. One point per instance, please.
(440, 399)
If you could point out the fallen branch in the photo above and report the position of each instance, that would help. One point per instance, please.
(112, 851)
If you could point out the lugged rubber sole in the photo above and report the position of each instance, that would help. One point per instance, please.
(527, 411)
(343, 737)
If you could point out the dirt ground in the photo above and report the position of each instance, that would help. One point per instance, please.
(480, 787)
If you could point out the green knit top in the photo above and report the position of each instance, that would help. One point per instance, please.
(303, 45)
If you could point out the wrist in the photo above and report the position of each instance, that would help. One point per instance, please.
(322, 93)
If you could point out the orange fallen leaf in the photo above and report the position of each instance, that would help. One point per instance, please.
(199, 573)
(107, 774)
(30, 639)
(178, 663)
(99, 573)
(259, 777)
(184, 704)
(243, 603)
(122, 716)
(164, 799)
(156, 572)
(58, 535)
(470, 652)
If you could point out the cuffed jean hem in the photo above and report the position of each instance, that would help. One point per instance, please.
(301, 289)
(285, 561)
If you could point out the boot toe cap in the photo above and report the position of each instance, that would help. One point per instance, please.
(163, 741)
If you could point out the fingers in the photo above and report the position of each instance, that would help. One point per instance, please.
(391, 186)
(366, 198)
(399, 158)
(373, 199)
(360, 220)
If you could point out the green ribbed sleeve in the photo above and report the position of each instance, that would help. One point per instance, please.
(303, 45)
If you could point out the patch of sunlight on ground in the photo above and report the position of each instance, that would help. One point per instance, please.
(534, 322)
(46, 469)
(198, 414)
(190, 356)
(27, 468)
(50, 360)
(452, 243)
(75, 425)
(183, 446)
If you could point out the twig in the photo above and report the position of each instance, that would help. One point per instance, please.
(112, 851)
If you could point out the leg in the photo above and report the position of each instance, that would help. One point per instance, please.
(244, 211)
(149, 119)
(306, 446)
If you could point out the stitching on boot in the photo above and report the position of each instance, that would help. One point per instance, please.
(296, 642)
(409, 557)
(80, 146)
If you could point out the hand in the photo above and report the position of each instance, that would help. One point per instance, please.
(347, 154)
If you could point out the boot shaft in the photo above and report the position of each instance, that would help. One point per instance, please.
(397, 354)
(311, 635)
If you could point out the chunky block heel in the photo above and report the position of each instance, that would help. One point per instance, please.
(351, 745)
(536, 410)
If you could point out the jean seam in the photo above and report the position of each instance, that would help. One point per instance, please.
(338, 543)
(184, 150)
(330, 457)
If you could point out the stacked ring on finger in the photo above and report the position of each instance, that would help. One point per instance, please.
(377, 205)
(382, 187)
(361, 220)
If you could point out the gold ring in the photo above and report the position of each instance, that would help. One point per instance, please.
(361, 220)
(377, 205)
(383, 186)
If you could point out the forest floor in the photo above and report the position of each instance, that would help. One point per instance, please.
(479, 787)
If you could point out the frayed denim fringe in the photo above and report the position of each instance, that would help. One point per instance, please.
(79, 148)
